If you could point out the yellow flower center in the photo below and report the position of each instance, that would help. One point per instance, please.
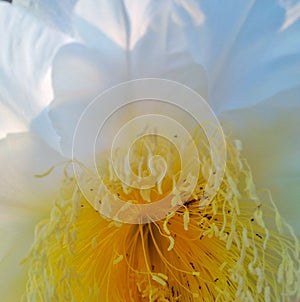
(237, 248)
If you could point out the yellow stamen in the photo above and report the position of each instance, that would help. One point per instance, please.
(237, 248)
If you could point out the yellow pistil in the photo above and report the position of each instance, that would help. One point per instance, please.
(237, 248)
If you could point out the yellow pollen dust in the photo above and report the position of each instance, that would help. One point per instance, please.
(237, 248)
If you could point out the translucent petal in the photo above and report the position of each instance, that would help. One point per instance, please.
(80, 74)
(270, 136)
(24, 201)
(248, 55)
(25, 63)
(9, 122)
(155, 38)
(55, 13)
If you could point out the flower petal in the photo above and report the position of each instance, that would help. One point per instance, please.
(25, 63)
(247, 53)
(250, 56)
(9, 122)
(270, 136)
(127, 40)
(292, 13)
(55, 13)
(107, 17)
(24, 201)
(80, 74)
(155, 39)
(193, 76)
(164, 45)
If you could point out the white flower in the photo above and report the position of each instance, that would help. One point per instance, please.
(244, 58)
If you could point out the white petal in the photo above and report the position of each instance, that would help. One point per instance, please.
(65, 114)
(16, 230)
(193, 76)
(56, 13)
(27, 49)
(123, 22)
(80, 74)
(292, 13)
(164, 46)
(249, 56)
(10, 122)
(127, 40)
(24, 201)
(155, 39)
(270, 136)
